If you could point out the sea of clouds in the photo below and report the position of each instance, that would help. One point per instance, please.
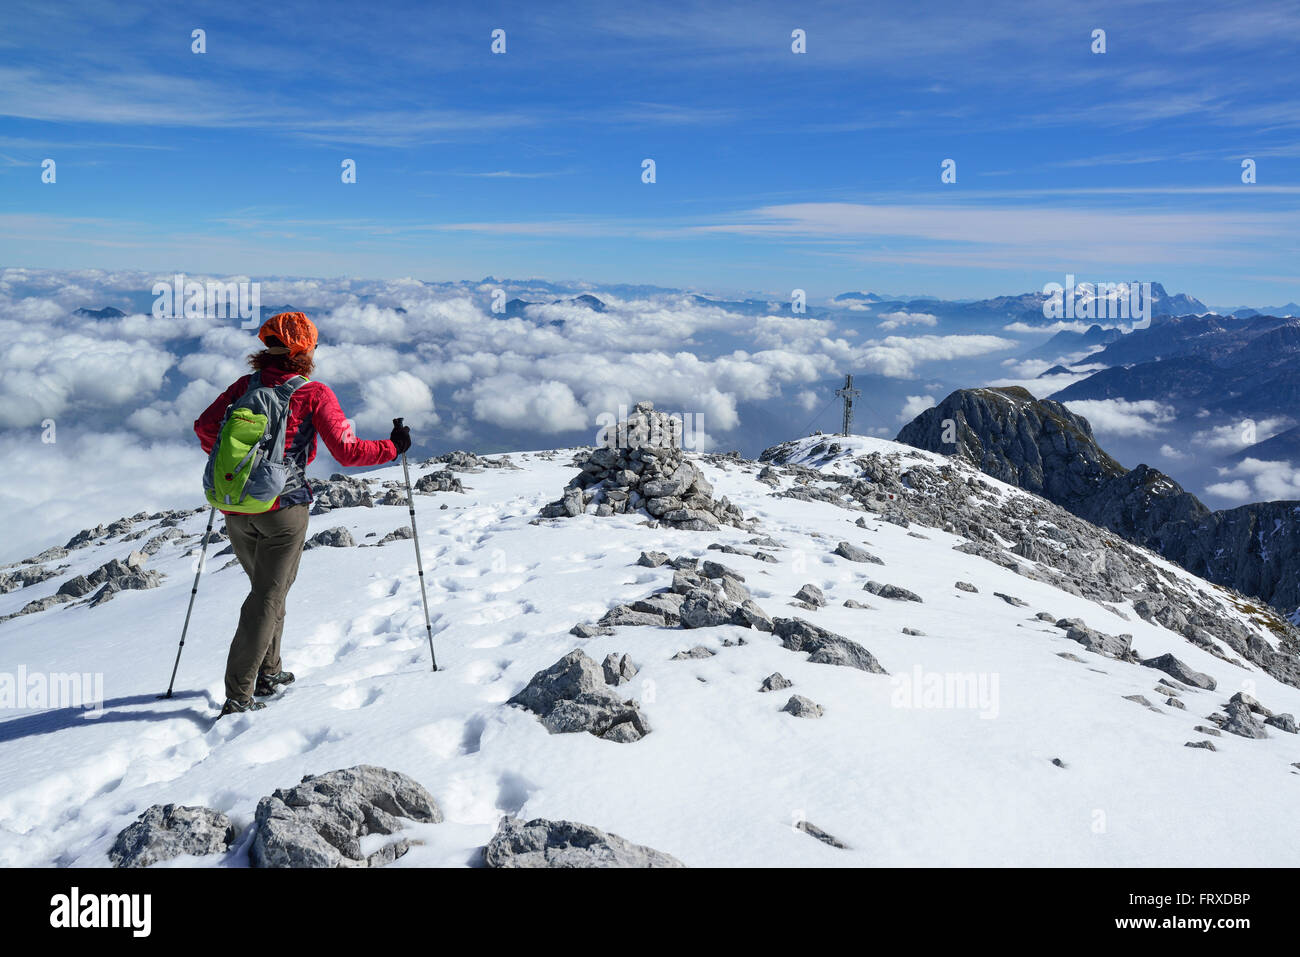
(96, 415)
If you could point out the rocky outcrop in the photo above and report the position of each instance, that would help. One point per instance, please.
(337, 537)
(165, 831)
(341, 491)
(812, 830)
(1112, 646)
(572, 695)
(110, 578)
(1180, 671)
(1045, 542)
(825, 647)
(1241, 722)
(462, 461)
(154, 544)
(700, 596)
(641, 468)
(321, 821)
(855, 553)
(810, 596)
(545, 843)
(893, 592)
(802, 707)
(25, 577)
(1038, 445)
(443, 480)
(1042, 447)
(112, 570)
(617, 669)
(38, 605)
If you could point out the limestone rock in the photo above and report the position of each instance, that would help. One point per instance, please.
(165, 831)
(1180, 671)
(572, 695)
(802, 707)
(320, 822)
(546, 843)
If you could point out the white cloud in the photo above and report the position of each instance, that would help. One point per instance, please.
(1271, 481)
(1236, 491)
(147, 379)
(387, 397)
(175, 419)
(1028, 373)
(1234, 436)
(515, 402)
(1169, 452)
(50, 377)
(896, 320)
(898, 356)
(1119, 417)
(67, 486)
(914, 406)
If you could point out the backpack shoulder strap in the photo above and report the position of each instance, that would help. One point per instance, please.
(284, 392)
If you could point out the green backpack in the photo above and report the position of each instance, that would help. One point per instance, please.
(246, 471)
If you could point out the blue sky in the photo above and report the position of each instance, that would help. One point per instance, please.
(775, 170)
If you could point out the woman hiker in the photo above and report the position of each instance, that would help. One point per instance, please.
(269, 543)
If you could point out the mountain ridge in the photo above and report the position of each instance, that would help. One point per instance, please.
(1031, 661)
(1039, 445)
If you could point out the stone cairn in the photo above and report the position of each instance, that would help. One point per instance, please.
(639, 466)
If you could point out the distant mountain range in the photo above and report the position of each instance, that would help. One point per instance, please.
(1238, 367)
(1290, 309)
(518, 307)
(1044, 448)
(1067, 342)
(108, 312)
(1027, 308)
(1283, 447)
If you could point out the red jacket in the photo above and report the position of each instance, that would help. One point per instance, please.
(313, 407)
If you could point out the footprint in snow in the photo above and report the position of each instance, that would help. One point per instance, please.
(276, 747)
(356, 697)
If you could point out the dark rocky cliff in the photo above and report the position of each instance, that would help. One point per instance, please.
(1041, 446)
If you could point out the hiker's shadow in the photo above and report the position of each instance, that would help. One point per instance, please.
(114, 710)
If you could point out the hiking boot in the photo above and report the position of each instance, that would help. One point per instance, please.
(236, 707)
(268, 684)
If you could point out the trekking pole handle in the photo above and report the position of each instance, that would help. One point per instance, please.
(397, 423)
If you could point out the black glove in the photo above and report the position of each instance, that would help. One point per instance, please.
(401, 438)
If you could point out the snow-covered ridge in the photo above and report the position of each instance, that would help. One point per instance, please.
(946, 759)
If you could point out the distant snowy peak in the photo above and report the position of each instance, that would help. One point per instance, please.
(1083, 299)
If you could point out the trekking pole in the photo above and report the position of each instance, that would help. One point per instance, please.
(203, 554)
(415, 537)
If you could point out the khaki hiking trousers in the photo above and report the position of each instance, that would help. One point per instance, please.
(269, 547)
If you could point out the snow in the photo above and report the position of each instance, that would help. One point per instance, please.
(724, 775)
